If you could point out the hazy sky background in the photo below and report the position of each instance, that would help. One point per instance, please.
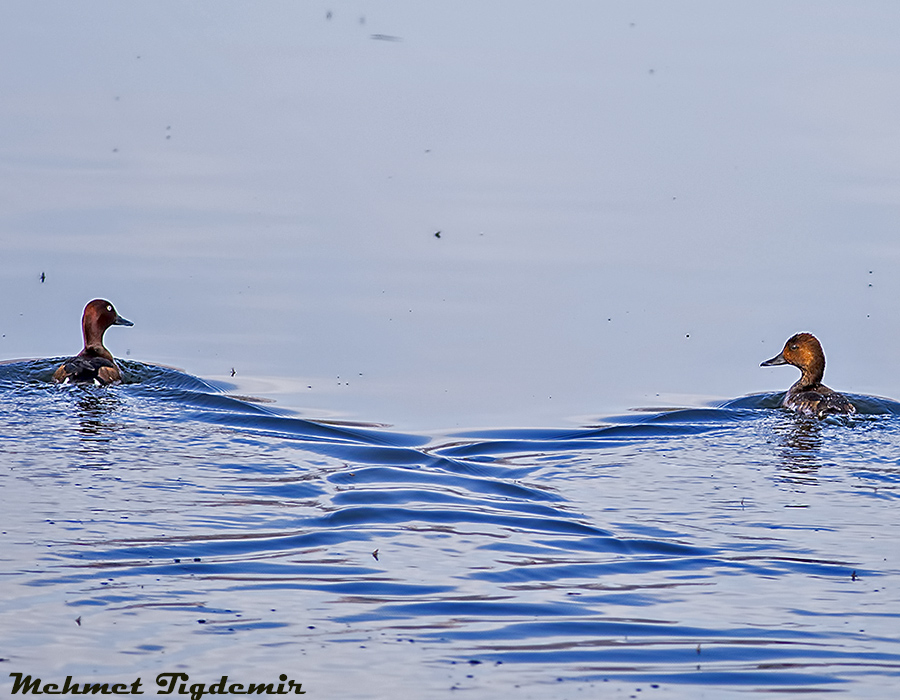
(637, 202)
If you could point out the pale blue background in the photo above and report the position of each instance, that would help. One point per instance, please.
(257, 186)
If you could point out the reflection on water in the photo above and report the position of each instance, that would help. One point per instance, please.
(229, 537)
(801, 444)
(95, 411)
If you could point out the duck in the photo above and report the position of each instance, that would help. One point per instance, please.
(94, 364)
(808, 396)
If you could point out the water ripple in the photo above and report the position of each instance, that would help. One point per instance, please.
(728, 547)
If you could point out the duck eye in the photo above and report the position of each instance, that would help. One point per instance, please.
(794, 347)
(109, 308)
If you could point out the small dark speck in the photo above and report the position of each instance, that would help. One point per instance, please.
(375, 555)
(177, 561)
(853, 576)
(870, 284)
(474, 662)
(687, 335)
(78, 620)
(328, 15)
(232, 372)
(43, 277)
(437, 234)
(651, 71)
(202, 622)
(196, 558)
(115, 150)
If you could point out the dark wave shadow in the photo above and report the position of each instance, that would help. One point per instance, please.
(865, 405)
(652, 424)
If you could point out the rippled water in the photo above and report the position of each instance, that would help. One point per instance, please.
(165, 526)
(471, 221)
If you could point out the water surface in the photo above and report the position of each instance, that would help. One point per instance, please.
(636, 203)
(164, 526)
(420, 263)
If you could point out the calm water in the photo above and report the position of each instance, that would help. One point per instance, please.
(636, 204)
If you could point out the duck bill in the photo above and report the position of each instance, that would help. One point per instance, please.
(777, 360)
(122, 321)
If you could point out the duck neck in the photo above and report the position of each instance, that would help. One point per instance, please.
(93, 340)
(96, 350)
(93, 335)
(812, 375)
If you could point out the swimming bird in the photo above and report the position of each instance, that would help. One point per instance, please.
(808, 395)
(94, 364)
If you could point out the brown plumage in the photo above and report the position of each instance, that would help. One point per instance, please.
(808, 395)
(94, 363)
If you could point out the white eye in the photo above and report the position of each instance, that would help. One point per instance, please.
(109, 308)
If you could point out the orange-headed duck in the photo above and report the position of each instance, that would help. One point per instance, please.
(808, 395)
(94, 363)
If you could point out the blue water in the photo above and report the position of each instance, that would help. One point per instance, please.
(164, 525)
(637, 202)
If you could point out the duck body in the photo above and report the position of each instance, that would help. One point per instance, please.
(809, 396)
(94, 364)
(819, 401)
